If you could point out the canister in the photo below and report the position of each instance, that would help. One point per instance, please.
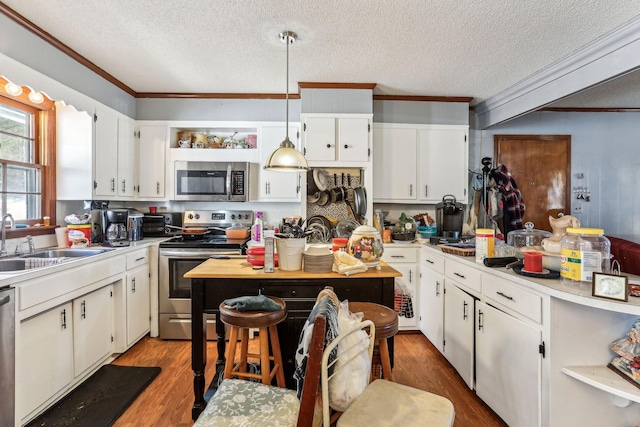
(79, 235)
(584, 251)
(485, 241)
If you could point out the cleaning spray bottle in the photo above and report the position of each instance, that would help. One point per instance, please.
(256, 230)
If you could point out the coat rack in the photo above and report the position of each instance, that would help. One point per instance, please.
(486, 170)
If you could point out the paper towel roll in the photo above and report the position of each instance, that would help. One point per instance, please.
(61, 237)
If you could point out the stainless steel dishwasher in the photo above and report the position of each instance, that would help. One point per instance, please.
(7, 356)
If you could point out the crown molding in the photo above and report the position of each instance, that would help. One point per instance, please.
(612, 55)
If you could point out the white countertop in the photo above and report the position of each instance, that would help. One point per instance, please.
(556, 288)
(13, 278)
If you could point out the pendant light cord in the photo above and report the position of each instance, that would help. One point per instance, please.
(287, 90)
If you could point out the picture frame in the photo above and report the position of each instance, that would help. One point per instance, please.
(610, 286)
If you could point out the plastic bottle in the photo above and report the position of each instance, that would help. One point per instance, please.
(257, 235)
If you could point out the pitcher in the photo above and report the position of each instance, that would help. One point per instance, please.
(558, 226)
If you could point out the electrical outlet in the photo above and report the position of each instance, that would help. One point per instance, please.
(577, 208)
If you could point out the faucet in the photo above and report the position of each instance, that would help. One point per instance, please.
(3, 249)
(29, 241)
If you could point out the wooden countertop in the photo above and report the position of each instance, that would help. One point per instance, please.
(241, 269)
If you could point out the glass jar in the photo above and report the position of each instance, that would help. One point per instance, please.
(584, 251)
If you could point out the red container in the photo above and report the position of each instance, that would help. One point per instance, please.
(339, 244)
(255, 257)
(79, 236)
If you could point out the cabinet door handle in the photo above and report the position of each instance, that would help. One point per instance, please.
(113, 185)
(397, 256)
(437, 288)
(329, 145)
(464, 310)
(411, 189)
(504, 296)
(63, 314)
(429, 261)
(410, 276)
(480, 317)
(83, 309)
(133, 285)
(140, 259)
(346, 146)
(157, 187)
(459, 275)
(124, 185)
(426, 191)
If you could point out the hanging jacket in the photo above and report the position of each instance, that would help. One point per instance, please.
(513, 200)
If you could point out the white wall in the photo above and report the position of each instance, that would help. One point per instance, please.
(605, 148)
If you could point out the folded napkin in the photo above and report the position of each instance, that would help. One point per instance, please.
(252, 303)
(346, 264)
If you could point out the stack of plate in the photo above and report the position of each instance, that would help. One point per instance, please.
(318, 259)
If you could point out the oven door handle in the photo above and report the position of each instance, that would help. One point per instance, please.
(186, 254)
(228, 181)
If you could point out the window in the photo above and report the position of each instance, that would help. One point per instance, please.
(27, 157)
(20, 170)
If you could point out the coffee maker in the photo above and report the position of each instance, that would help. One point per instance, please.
(114, 227)
(449, 218)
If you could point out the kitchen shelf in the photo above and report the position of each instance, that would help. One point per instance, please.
(603, 378)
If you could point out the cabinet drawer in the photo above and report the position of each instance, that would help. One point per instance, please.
(432, 260)
(137, 258)
(511, 296)
(391, 255)
(464, 274)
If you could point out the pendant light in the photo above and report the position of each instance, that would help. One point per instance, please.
(286, 158)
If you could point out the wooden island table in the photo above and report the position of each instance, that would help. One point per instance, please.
(215, 280)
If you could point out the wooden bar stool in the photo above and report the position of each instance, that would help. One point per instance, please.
(386, 322)
(265, 322)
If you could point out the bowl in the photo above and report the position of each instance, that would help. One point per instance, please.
(255, 257)
(237, 233)
(426, 231)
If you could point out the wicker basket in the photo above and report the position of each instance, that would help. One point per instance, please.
(458, 250)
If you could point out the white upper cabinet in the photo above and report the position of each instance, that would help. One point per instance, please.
(152, 146)
(269, 185)
(443, 163)
(394, 164)
(420, 163)
(74, 153)
(114, 157)
(330, 139)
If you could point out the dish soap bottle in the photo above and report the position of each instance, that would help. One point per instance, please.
(256, 230)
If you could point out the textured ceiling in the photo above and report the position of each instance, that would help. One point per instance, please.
(407, 47)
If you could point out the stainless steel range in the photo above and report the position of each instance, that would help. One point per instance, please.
(184, 252)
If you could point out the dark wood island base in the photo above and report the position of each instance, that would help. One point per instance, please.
(215, 280)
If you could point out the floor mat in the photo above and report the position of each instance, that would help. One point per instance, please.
(100, 400)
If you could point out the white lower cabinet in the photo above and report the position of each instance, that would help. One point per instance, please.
(92, 328)
(459, 330)
(404, 259)
(137, 295)
(431, 314)
(40, 378)
(508, 366)
(74, 336)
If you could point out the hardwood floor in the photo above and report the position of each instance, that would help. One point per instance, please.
(167, 401)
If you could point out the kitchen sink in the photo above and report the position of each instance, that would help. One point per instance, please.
(64, 253)
(12, 265)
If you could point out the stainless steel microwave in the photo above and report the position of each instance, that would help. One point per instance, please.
(212, 181)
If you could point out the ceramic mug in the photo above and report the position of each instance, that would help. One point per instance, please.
(185, 143)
